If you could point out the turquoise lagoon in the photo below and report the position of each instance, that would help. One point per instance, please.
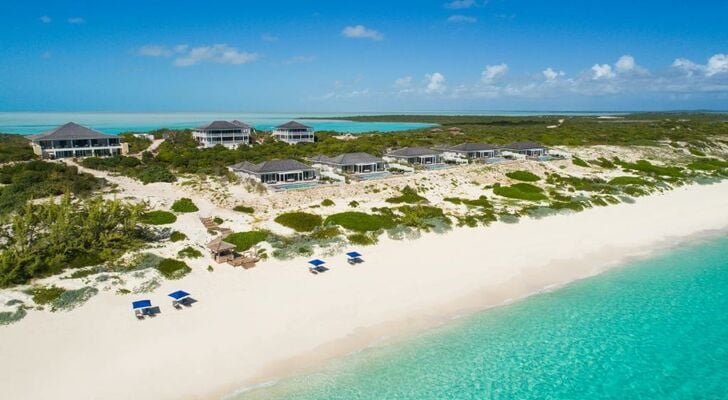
(31, 122)
(653, 329)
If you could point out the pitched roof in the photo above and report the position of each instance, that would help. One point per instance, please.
(242, 124)
(473, 147)
(293, 125)
(221, 125)
(70, 131)
(218, 245)
(348, 159)
(270, 166)
(523, 146)
(413, 152)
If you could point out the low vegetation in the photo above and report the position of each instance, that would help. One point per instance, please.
(173, 269)
(184, 205)
(524, 176)
(147, 170)
(359, 221)
(189, 252)
(244, 209)
(327, 203)
(136, 144)
(246, 240)
(158, 217)
(14, 148)
(521, 191)
(300, 221)
(409, 196)
(177, 236)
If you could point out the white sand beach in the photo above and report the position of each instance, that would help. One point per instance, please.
(250, 326)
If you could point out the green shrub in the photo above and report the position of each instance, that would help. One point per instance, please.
(177, 236)
(359, 221)
(353, 204)
(409, 195)
(362, 239)
(173, 269)
(708, 164)
(696, 152)
(604, 163)
(244, 209)
(300, 221)
(189, 252)
(627, 180)
(7, 318)
(327, 203)
(218, 220)
(158, 218)
(184, 205)
(245, 240)
(45, 295)
(651, 169)
(521, 191)
(523, 176)
(579, 162)
(71, 299)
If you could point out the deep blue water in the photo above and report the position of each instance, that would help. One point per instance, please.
(652, 329)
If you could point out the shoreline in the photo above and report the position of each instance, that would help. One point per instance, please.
(249, 324)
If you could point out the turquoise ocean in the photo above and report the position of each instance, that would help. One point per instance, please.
(655, 328)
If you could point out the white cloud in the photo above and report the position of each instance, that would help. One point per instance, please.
(462, 19)
(76, 20)
(686, 66)
(361, 32)
(602, 71)
(460, 4)
(218, 53)
(717, 64)
(625, 64)
(267, 37)
(435, 83)
(300, 59)
(551, 75)
(153, 50)
(403, 82)
(45, 19)
(491, 72)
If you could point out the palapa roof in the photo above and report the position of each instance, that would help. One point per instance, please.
(414, 152)
(270, 166)
(465, 147)
(293, 125)
(523, 146)
(218, 245)
(348, 159)
(70, 131)
(215, 125)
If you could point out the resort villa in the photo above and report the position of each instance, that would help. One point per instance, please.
(528, 149)
(74, 140)
(293, 132)
(471, 152)
(352, 163)
(415, 155)
(275, 171)
(225, 133)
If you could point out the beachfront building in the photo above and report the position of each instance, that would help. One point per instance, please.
(471, 152)
(352, 163)
(275, 171)
(293, 132)
(230, 134)
(527, 149)
(74, 140)
(415, 155)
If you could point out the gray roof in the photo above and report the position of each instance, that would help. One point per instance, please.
(293, 125)
(348, 159)
(413, 152)
(270, 166)
(70, 131)
(214, 125)
(219, 245)
(242, 124)
(465, 147)
(523, 146)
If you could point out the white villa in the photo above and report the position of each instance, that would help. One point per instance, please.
(470, 152)
(275, 171)
(224, 133)
(74, 140)
(293, 132)
(352, 163)
(415, 155)
(527, 149)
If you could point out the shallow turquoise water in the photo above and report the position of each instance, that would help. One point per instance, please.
(654, 329)
(31, 123)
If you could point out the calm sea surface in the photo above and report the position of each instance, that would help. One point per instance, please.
(31, 123)
(653, 329)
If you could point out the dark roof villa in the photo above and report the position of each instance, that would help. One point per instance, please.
(416, 155)
(275, 171)
(74, 140)
(224, 133)
(356, 163)
(293, 132)
(529, 149)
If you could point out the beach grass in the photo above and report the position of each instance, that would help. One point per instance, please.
(245, 240)
(189, 252)
(244, 209)
(409, 195)
(360, 221)
(300, 221)
(158, 217)
(184, 205)
(524, 176)
(521, 191)
(177, 236)
(173, 269)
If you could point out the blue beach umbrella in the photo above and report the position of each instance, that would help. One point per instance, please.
(353, 254)
(178, 295)
(141, 304)
(316, 262)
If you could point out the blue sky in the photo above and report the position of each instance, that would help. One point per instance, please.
(341, 56)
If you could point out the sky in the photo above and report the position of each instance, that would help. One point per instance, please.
(367, 56)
